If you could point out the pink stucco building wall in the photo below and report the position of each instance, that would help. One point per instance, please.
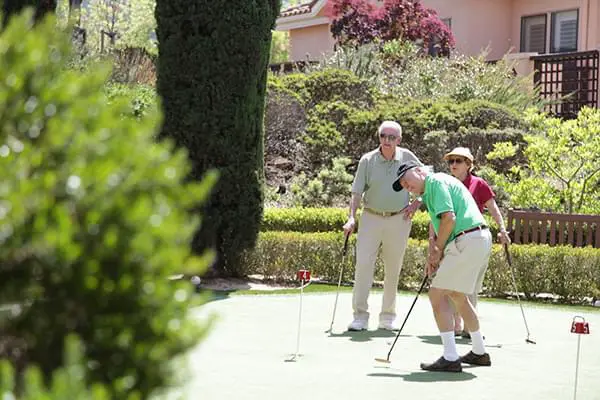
(494, 25)
(310, 42)
(470, 24)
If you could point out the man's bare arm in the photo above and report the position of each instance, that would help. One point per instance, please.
(354, 205)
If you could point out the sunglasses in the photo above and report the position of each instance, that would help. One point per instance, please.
(455, 161)
(388, 137)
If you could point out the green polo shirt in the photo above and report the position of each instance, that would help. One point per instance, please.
(445, 193)
(375, 176)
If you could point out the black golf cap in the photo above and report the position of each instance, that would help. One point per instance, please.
(401, 171)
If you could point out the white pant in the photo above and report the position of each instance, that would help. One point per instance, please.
(391, 233)
(464, 264)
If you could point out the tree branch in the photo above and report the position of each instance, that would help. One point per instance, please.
(583, 189)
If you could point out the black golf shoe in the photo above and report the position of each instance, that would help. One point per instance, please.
(443, 365)
(477, 359)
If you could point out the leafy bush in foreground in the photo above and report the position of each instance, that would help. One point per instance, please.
(67, 382)
(93, 220)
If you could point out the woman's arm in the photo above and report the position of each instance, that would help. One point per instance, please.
(495, 212)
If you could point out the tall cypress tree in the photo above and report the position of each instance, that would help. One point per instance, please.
(42, 7)
(212, 72)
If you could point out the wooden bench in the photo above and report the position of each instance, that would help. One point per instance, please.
(554, 229)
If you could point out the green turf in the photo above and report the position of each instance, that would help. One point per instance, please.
(244, 357)
(330, 288)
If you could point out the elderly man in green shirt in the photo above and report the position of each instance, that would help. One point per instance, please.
(385, 223)
(457, 260)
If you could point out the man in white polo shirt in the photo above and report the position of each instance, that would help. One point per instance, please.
(385, 222)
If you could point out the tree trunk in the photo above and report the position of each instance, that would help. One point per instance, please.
(212, 74)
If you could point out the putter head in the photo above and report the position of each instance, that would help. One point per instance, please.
(530, 341)
(383, 360)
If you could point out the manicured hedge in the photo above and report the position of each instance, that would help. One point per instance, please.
(571, 273)
(332, 219)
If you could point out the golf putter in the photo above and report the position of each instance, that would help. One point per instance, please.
(514, 281)
(387, 359)
(337, 292)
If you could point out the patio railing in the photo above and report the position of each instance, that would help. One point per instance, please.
(568, 80)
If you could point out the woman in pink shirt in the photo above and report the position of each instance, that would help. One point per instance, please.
(460, 163)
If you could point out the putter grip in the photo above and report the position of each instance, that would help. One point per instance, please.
(345, 245)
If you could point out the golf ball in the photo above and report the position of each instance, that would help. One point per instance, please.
(196, 280)
(597, 303)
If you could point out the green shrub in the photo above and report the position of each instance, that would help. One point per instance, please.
(343, 116)
(143, 98)
(333, 219)
(418, 118)
(94, 220)
(398, 68)
(212, 78)
(322, 138)
(68, 382)
(330, 187)
(329, 85)
(481, 142)
(362, 61)
(459, 79)
(571, 273)
(304, 219)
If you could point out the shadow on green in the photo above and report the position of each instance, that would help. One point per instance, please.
(435, 339)
(204, 296)
(365, 336)
(427, 376)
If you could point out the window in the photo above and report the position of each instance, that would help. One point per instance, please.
(533, 34)
(447, 22)
(564, 31)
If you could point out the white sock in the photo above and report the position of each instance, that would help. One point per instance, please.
(477, 342)
(449, 343)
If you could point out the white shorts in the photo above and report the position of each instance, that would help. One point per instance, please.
(464, 263)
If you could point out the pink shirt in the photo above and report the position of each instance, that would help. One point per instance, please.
(480, 190)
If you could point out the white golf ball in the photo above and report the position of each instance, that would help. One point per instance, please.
(196, 280)
(597, 303)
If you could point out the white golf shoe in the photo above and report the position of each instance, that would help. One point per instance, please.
(387, 325)
(358, 325)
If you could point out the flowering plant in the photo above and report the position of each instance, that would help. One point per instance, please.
(357, 22)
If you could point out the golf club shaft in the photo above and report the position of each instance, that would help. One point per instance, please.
(407, 315)
(514, 281)
(337, 292)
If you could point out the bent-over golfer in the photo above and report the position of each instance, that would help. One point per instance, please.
(457, 259)
(385, 222)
